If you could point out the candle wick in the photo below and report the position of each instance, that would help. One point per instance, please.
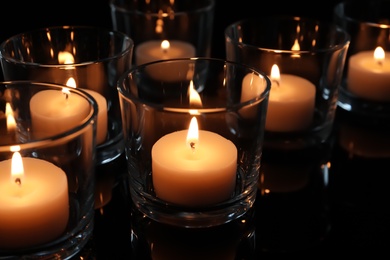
(192, 145)
(380, 62)
(18, 181)
(66, 95)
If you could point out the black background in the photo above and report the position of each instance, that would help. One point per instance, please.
(18, 16)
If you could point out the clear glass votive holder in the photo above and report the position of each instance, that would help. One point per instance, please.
(366, 89)
(79, 56)
(209, 177)
(304, 59)
(186, 25)
(47, 164)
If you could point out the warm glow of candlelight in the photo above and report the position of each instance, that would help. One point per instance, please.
(65, 57)
(379, 55)
(71, 82)
(66, 92)
(195, 100)
(275, 74)
(165, 45)
(17, 170)
(193, 134)
(295, 49)
(291, 102)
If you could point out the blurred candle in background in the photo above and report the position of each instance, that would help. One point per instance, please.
(369, 74)
(161, 50)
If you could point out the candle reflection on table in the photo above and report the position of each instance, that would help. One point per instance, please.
(279, 177)
(369, 74)
(367, 141)
(292, 206)
(153, 240)
(34, 207)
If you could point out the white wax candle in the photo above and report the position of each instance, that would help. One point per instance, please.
(155, 50)
(101, 132)
(35, 211)
(202, 176)
(369, 77)
(52, 113)
(291, 104)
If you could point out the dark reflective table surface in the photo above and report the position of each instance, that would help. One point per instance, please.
(321, 203)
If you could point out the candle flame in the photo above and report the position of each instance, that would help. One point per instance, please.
(65, 57)
(71, 82)
(11, 123)
(295, 49)
(379, 55)
(165, 45)
(17, 169)
(275, 75)
(195, 100)
(193, 134)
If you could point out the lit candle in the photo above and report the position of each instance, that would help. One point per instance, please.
(34, 207)
(101, 132)
(199, 172)
(162, 50)
(291, 102)
(54, 112)
(369, 74)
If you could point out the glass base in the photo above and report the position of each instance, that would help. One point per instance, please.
(215, 215)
